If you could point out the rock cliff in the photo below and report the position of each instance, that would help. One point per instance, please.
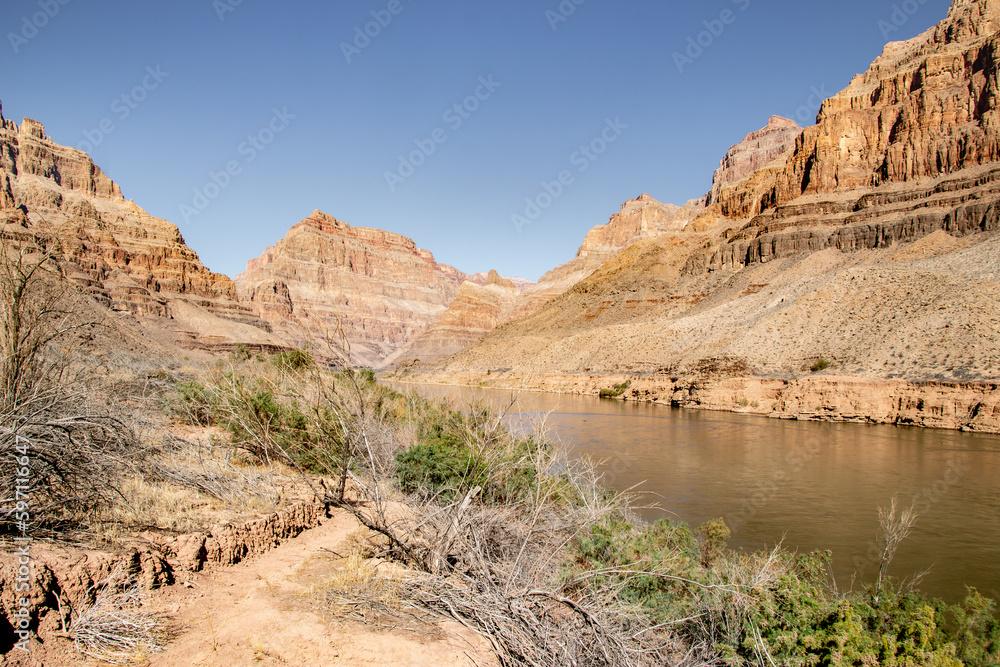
(372, 289)
(767, 147)
(638, 219)
(870, 248)
(126, 259)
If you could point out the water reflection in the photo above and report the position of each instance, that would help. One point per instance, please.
(812, 485)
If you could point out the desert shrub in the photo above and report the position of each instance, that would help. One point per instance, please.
(292, 360)
(457, 453)
(820, 364)
(117, 627)
(61, 455)
(193, 403)
(240, 353)
(777, 606)
(616, 391)
(261, 423)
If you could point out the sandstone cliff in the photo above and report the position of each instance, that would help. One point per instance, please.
(871, 246)
(373, 289)
(128, 260)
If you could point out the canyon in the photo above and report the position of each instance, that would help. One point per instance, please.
(348, 292)
(867, 249)
(864, 246)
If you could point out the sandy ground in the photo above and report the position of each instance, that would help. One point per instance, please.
(264, 612)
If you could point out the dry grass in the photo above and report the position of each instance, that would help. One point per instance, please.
(358, 582)
(192, 487)
(117, 628)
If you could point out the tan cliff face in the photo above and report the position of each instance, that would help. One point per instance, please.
(926, 107)
(326, 277)
(638, 219)
(125, 258)
(873, 246)
(475, 311)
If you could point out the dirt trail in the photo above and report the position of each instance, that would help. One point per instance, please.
(259, 613)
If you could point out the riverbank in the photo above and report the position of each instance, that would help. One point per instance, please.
(964, 406)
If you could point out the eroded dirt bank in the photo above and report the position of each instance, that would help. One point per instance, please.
(969, 406)
(241, 593)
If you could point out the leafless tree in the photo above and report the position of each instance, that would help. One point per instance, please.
(50, 431)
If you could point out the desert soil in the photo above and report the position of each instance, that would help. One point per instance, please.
(265, 612)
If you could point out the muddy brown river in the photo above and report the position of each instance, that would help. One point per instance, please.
(811, 485)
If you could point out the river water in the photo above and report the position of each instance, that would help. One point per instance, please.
(811, 485)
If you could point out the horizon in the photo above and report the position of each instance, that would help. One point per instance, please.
(443, 124)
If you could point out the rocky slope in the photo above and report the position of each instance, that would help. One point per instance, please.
(475, 311)
(128, 260)
(327, 280)
(872, 247)
(485, 303)
(638, 219)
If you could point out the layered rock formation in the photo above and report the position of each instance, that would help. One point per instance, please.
(364, 289)
(872, 246)
(638, 219)
(130, 261)
(764, 148)
(475, 311)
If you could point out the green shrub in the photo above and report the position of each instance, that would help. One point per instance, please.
(738, 602)
(820, 364)
(261, 423)
(240, 353)
(456, 453)
(292, 360)
(193, 403)
(615, 391)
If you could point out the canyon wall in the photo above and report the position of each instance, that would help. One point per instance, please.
(864, 246)
(475, 311)
(348, 291)
(55, 197)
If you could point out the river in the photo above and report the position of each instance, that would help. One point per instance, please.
(811, 485)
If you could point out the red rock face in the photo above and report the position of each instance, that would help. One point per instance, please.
(475, 311)
(376, 287)
(925, 108)
(118, 253)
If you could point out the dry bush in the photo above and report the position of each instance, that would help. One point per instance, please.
(52, 431)
(894, 527)
(186, 486)
(117, 628)
(250, 487)
(495, 565)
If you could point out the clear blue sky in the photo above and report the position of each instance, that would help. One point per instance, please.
(224, 68)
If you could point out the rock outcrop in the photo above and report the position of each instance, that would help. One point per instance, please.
(55, 196)
(371, 289)
(873, 247)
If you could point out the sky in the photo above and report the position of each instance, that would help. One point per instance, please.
(495, 133)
